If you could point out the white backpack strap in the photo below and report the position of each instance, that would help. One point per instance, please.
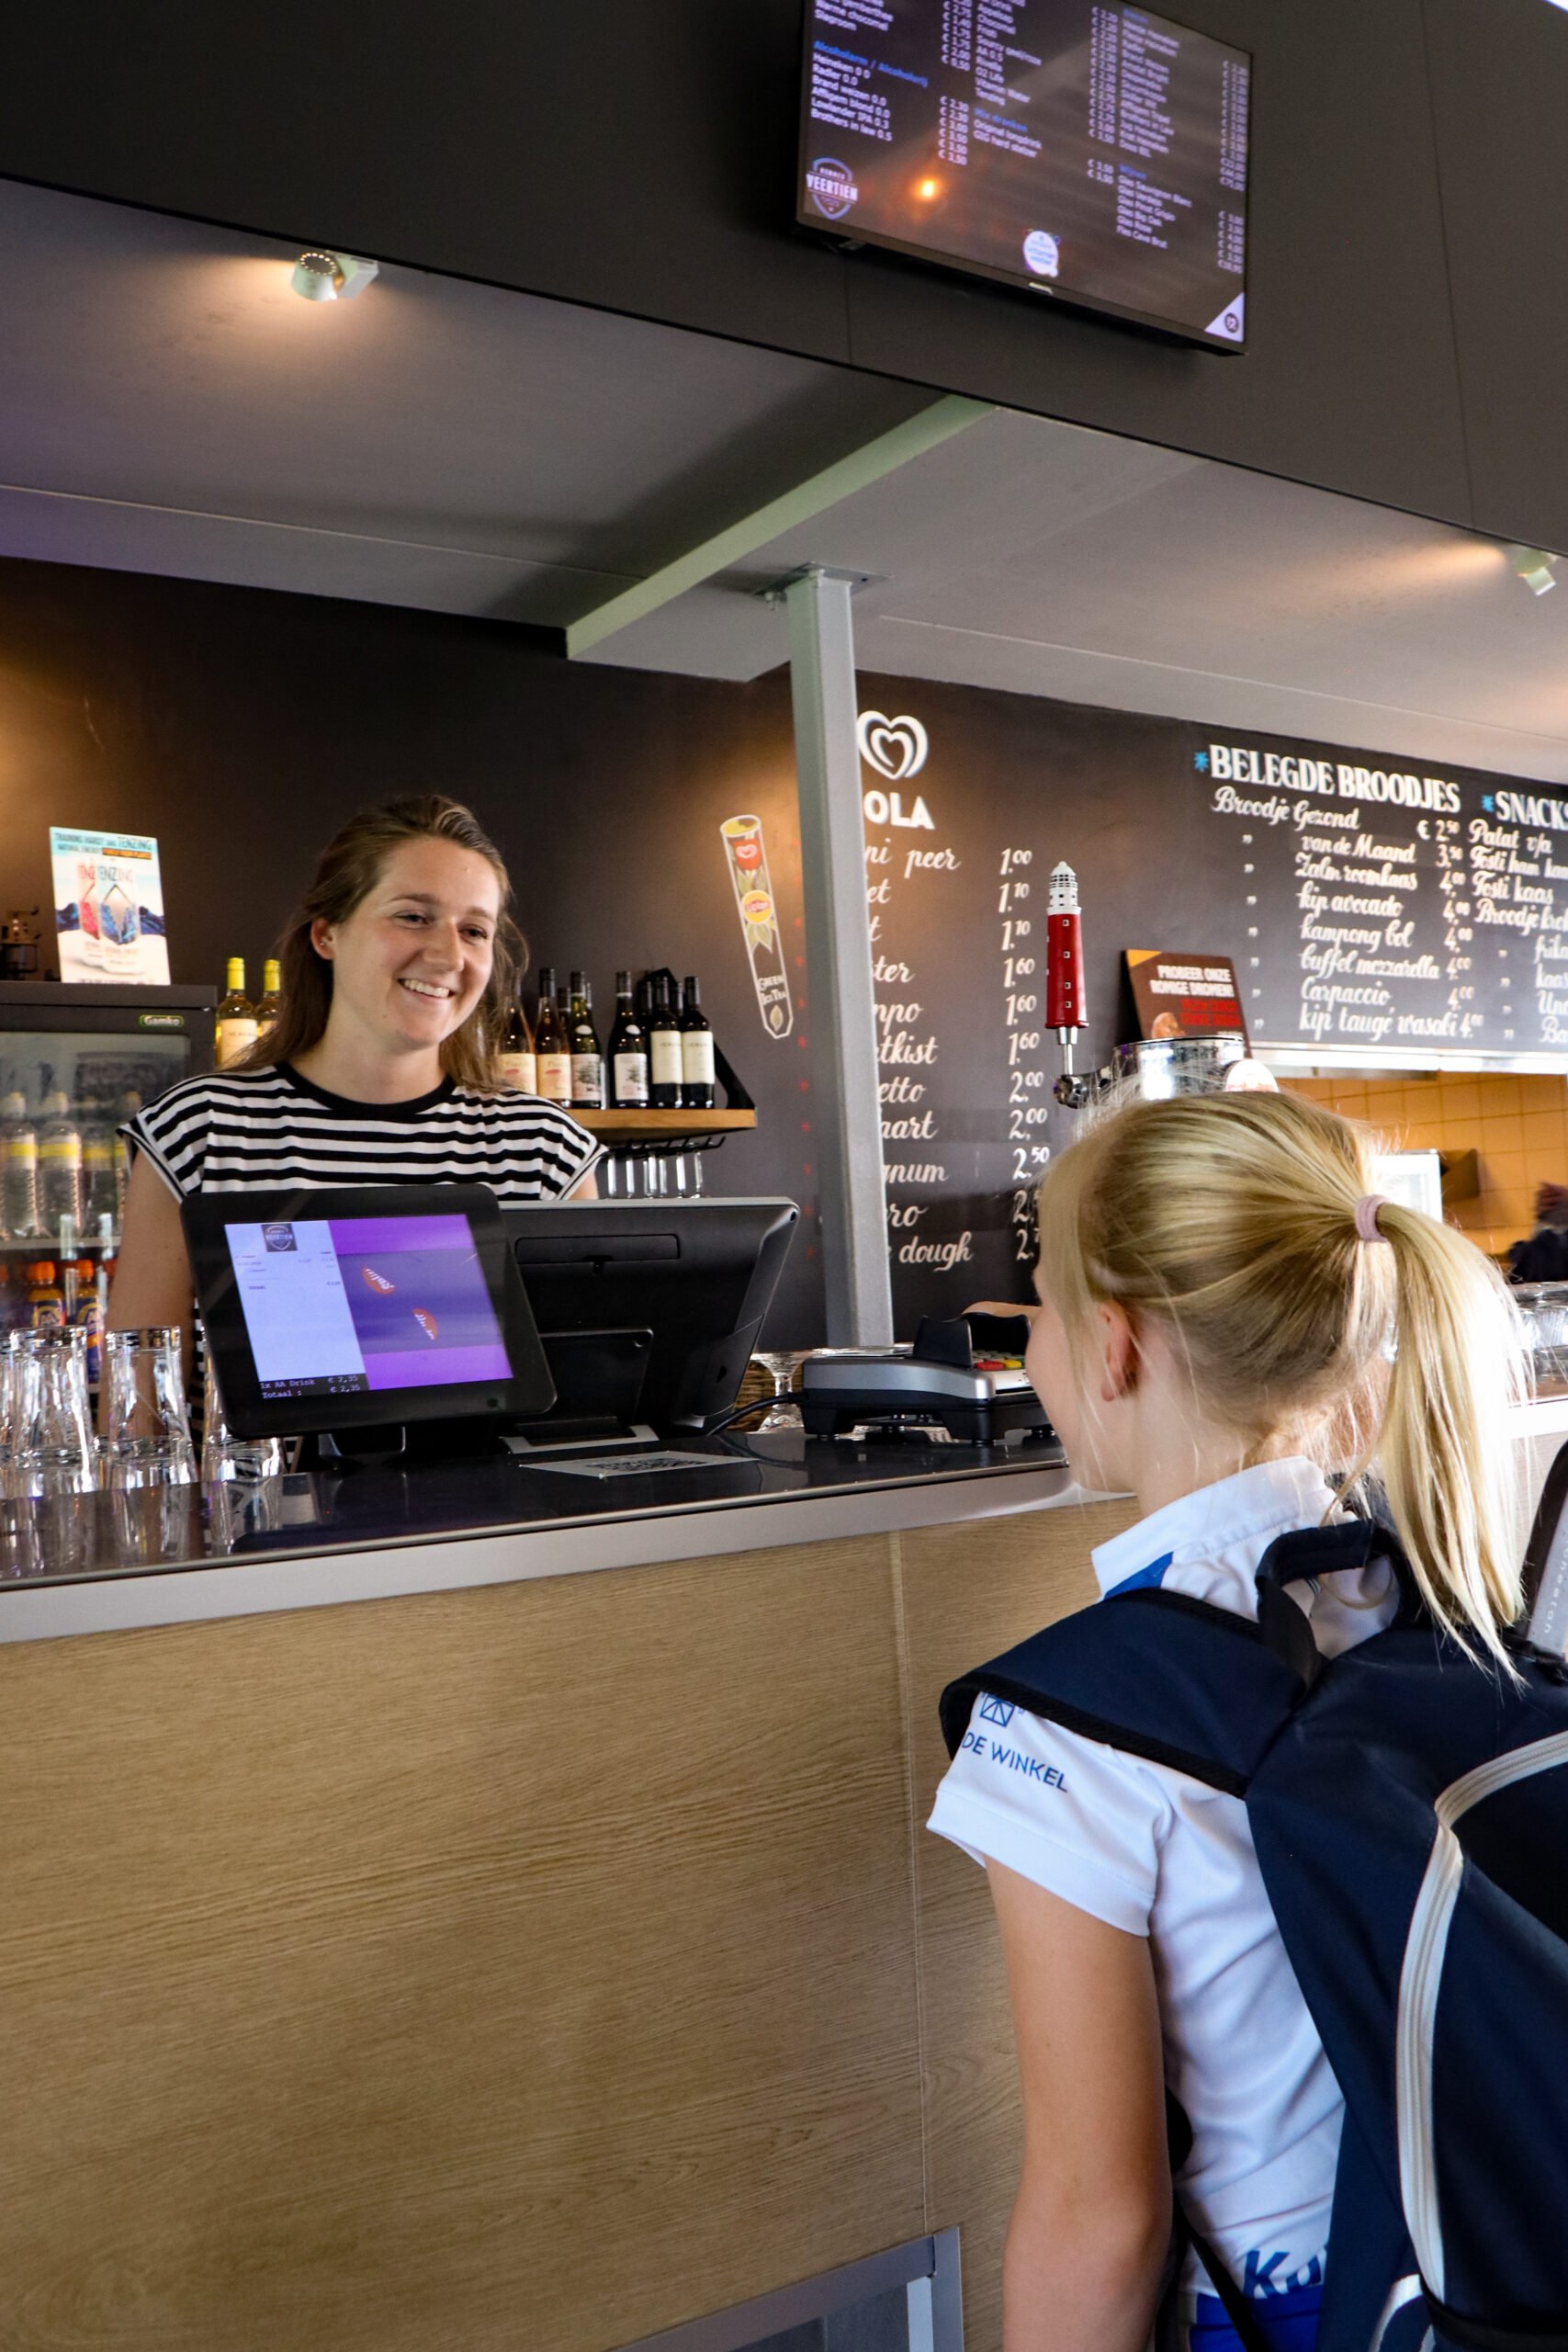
(1420, 1981)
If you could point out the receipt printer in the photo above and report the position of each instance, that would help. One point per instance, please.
(956, 1377)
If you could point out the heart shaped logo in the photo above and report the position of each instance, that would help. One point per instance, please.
(894, 747)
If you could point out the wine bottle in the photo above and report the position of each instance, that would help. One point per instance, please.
(518, 1065)
(271, 1003)
(666, 1069)
(587, 1061)
(236, 1016)
(59, 1164)
(626, 1053)
(552, 1054)
(696, 1050)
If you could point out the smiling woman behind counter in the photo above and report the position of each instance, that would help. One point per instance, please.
(381, 1068)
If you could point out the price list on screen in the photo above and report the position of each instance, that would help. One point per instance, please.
(1084, 148)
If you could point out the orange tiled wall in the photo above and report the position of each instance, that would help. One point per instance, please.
(1519, 1126)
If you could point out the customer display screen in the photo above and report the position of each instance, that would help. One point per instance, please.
(1091, 152)
(339, 1306)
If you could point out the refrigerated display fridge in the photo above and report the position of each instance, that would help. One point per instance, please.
(75, 1061)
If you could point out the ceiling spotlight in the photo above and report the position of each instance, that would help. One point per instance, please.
(1534, 567)
(324, 277)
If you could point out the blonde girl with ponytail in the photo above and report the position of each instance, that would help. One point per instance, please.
(1236, 1328)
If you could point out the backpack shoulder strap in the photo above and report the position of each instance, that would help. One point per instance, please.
(1307, 1552)
(1154, 1673)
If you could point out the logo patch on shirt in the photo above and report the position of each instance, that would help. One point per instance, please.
(996, 1711)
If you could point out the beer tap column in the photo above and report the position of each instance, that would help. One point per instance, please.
(1063, 962)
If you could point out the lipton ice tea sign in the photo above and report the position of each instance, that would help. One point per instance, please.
(748, 859)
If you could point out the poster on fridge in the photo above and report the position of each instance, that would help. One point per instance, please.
(108, 906)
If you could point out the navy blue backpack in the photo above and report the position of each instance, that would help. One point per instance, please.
(1410, 1812)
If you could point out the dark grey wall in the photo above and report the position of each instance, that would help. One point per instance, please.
(242, 727)
(1410, 219)
(1500, 105)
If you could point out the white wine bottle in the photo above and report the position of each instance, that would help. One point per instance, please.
(552, 1052)
(236, 1016)
(270, 1003)
(625, 1056)
(587, 1061)
(519, 1066)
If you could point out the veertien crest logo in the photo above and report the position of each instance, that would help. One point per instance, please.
(894, 747)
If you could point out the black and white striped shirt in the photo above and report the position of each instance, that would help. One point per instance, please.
(254, 1130)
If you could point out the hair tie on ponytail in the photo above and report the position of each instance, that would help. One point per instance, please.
(1367, 1209)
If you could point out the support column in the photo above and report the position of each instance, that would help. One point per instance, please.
(846, 1122)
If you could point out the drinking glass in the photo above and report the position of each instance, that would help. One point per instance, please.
(153, 1522)
(8, 1415)
(21, 1539)
(53, 1451)
(236, 1508)
(147, 1439)
(780, 1364)
(224, 1455)
(1544, 1307)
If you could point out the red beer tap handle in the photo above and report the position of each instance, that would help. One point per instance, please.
(1064, 955)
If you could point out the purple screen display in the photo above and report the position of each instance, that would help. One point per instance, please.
(419, 1302)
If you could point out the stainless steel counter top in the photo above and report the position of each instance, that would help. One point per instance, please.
(100, 1562)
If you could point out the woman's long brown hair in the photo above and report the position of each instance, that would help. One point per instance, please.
(350, 866)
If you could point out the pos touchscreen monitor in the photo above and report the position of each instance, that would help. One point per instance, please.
(341, 1309)
(686, 1284)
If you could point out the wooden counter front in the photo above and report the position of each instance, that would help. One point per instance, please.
(538, 1964)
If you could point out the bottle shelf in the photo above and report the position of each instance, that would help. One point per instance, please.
(663, 1127)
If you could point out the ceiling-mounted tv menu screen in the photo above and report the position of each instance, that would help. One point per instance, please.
(1093, 153)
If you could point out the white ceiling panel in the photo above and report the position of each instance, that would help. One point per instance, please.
(1043, 558)
(113, 535)
(163, 363)
(168, 405)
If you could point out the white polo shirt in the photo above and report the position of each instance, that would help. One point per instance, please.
(1152, 1851)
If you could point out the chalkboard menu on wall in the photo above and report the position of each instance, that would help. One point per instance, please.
(1366, 903)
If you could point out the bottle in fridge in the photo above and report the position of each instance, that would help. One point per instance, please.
(59, 1164)
(19, 1168)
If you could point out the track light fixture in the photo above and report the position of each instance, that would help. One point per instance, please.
(1534, 567)
(325, 277)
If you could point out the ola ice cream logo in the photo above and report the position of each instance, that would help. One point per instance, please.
(895, 748)
(377, 1283)
(426, 1321)
(747, 855)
